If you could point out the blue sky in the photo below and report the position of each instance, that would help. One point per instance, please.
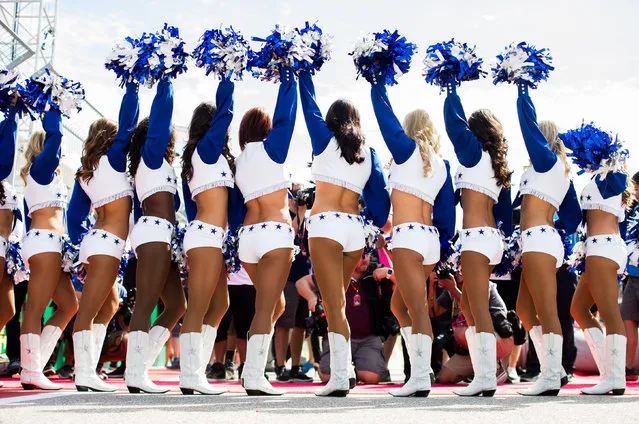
(591, 42)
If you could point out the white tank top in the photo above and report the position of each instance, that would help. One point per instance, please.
(150, 181)
(409, 176)
(207, 176)
(550, 186)
(480, 177)
(256, 174)
(107, 184)
(591, 198)
(330, 167)
(52, 195)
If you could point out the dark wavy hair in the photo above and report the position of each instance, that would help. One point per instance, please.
(255, 126)
(342, 119)
(138, 138)
(488, 129)
(100, 139)
(199, 126)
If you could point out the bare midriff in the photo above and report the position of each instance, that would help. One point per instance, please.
(114, 217)
(600, 222)
(272, 207)
(51, 219)
(410, 208)
(332, 198)
(160, 205)
(212, 206)
(6, 222)
(535, 212)
(478, 209)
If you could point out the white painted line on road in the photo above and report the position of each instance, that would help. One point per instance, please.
(28, 398)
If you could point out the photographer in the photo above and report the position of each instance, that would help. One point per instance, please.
(292, 321)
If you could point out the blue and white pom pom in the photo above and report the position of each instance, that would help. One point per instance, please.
(224, 52)
(594, 150)
(71, 258)
(382, 57)
(178, 255)
(129, 62)
(577, 259)
(14, 264)
(230, 252)
(10, 82)
(511, 258)
(321, 44)
(449, 257)
(450, 63)
(285, 47)
(163, 54)
(51, 91)
(371, 233)
(522, 64)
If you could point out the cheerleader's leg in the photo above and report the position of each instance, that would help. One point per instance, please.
(173, 299)
(7, 301)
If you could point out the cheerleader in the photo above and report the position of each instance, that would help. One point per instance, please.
(604, 201)
(266, 238)
(422, 196)
(207, 175)
(344, 169)
(45, 197)
(150, 156)
(101, 183)
(546, 188)
(484, 180)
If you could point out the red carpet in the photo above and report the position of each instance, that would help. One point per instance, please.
(170, 378)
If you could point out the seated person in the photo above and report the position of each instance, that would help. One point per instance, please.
(459, 366)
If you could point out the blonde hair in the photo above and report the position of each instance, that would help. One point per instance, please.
(551, 132)
(421, 129)
(35, 146)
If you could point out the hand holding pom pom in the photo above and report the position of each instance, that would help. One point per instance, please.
(449, 63)
(127, 62)
(9, 92)
(224, 52)
(320, 43)
(169, 59)
(522, 64)
(382, 57)
(51, 91)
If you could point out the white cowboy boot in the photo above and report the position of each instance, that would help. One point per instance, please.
(597, 343)
(418, 384)
(614, 379)
(137, 358)
(536, 334)
(31, 376)
(352, 376)
(85, 377)
(253, 379)
(209, 334)
(158, 336)
(549, 381)
(192, 378)
(99, 334)
(338, 384)
(48, 339)
(483, 353)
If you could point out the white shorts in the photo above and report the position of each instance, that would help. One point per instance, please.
(609, 246)
(40, 241)
(258, 239)
(543, 239)
(4, 246)
(345, 228)
(151, 229)
(485, 240)
(419, 238)
(100, 242)
(201, 234)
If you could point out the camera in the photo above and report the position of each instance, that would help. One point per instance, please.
(316, 322)
(305, 197)
(126, 307)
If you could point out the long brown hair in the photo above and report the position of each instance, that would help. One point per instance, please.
(35, 146)
(342, 119)
(200, 125)
(255, 126)
(138, 138)
(101, 135)
(487, 128)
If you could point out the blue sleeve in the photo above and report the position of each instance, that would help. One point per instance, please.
(623, 227)
(236, 209)
(279, 139)
(190, 207)
(399, 144)
(137, 207)
(77, 212)
(45, 164)
(467, 147)
(503, 212)
(211, 146)
(375, 195)
(128, 119)
(8, 137)
(444, 208)
(27, 219)
(614, 184)
(541, 156)
(317, 129)
(176, 201)
(570, 210)
(160, 126)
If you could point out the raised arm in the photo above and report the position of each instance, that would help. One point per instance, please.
(279, 139)
(77, 213)
(376, 197)
(541, 156)
(317, 129)
(8, 137)
(612, 185)
(45, 164)
(211, 146)
(399, 144)
(160, 126)
(444, 209)
(467, 146)
(128, 119)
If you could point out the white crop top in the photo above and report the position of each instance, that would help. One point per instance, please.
(480, 177)
(207, 176)
(150, 181)
(52, 195)
(550, 186)
(591, 198)
(330, 167)
(107, 184)
(10, 197)
(409, 176)
(256, 174)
